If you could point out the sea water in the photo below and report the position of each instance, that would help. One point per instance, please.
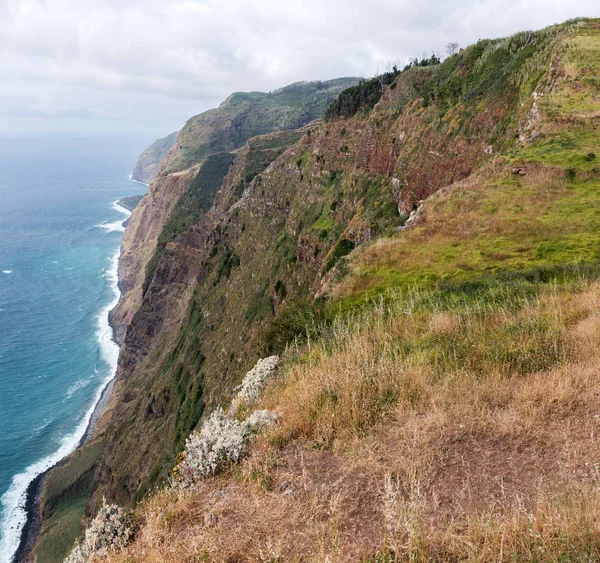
(60, 231)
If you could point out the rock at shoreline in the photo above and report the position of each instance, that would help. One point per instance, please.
(130, 202)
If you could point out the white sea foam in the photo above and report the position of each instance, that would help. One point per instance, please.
(45, 424)
(13, 501)
(137, 181)
(115, 226)
(7, 271)
(76, 387)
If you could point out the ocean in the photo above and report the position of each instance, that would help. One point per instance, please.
(60, 232)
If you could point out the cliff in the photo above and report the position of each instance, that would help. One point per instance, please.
(210, 302)
(221, 130)
(148, 162)
(426, 261)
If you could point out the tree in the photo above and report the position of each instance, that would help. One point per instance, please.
(452, 48)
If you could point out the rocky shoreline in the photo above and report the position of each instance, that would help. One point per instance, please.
(33, 523)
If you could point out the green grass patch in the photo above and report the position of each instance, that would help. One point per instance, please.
(569, 149)
(64, 499)
(510, 225)
(61, 530)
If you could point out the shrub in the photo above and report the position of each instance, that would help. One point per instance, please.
(366, 94)
(342, 248)
(260, 420)
(112, 529)
(255, 380)
(222, 439)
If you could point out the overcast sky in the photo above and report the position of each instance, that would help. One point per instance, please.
(106, 67)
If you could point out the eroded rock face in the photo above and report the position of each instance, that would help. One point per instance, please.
(139, 242)
(226, 128)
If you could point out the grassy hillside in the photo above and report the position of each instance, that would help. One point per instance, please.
(247, 114)
(445, 407)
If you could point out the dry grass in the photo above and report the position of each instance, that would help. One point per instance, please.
(421, 430)
(409, 356)
(549, 529)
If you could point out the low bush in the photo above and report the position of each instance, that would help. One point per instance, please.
(222, 440)
(255, 380)
(112, 529)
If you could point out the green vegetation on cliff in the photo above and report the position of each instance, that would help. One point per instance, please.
(367, 93)
(247, 114)
(63, 502)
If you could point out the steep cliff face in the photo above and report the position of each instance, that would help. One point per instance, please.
(148, 162)
(139, 242)
(240, 117)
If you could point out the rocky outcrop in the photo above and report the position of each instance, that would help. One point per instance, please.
(147, 164)
(130, 202)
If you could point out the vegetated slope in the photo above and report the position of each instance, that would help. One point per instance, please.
(449, 412)
(224, 129)
(271, 245)
(147, 164)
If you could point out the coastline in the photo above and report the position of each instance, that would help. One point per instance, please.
(33, 522)
(137, 181)
(32, 497)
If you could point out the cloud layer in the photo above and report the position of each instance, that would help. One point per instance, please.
(85, 66)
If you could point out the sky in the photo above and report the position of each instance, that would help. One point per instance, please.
(143, 67)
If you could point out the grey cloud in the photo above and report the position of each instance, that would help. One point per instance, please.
(138, 64)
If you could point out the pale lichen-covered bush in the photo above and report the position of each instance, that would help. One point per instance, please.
(112, 529)
(222, 440)
(256, 379)
(259, 420)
